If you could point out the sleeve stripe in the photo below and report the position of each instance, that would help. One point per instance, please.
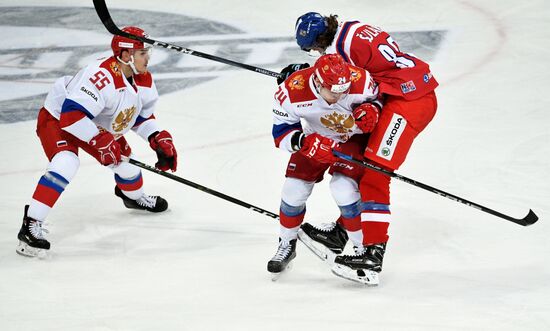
(70, 106)
(342, 38)
(283, 129)
(141, 119)
(69, 118)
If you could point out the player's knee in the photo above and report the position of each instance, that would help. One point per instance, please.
(296, 191)
(126, 170)
(345, 190)
(65, 164)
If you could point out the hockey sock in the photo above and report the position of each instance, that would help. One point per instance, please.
(375, 220)
(291, 217)
(131, 187)
(350, 219)
(61, 170)
(49, 189)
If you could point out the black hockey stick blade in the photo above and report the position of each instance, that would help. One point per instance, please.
(201, 188)
(105, 17)
(531, 217)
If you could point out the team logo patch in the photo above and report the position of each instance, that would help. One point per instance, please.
(114, 68)
(88, 92)
(427, 77)
(391, 137)
(408, 87)
(355, 74)
(123, 119)
(297, 83)
(340, 123)
(279, 113)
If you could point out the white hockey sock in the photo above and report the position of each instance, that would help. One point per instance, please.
(288, 234)
(356, 237)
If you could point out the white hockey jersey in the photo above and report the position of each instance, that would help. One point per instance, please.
(99, 97)
(299, 107)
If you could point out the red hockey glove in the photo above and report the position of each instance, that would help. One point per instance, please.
(366, 117)
(161, 142)
(107, 147)
(318, 148)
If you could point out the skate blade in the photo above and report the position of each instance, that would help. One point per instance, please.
(24, 249)
(276, 275)
(319, 250)
(370, 278)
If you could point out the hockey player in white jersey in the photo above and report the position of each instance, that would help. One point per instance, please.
(330, 105)
(92, 111)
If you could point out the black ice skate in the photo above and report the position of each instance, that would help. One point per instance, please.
(325, 241)
(286, 252)
(150, 203)
(31, 237)
(363, 267)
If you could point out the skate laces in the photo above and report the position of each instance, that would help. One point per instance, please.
(37, 229)
(282, 252)
(147, 201)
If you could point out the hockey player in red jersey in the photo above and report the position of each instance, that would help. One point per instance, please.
(92, 111)
(407, 87)
(332, 105)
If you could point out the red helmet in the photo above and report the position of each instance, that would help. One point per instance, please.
(120, 43)
(333, 73)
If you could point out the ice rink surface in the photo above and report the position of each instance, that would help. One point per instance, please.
(202, 264)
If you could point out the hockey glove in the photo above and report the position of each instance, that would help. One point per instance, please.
(107, 147)
(161, 142)
(289, 70)
(366, 117)
(318, 148)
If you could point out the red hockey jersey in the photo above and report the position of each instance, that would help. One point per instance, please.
(396, 72)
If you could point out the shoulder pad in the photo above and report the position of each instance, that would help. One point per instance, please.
(298, 87)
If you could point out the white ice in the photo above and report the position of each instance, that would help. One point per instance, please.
(202, 264)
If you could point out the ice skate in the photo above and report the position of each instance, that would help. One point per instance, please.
(32, 242)
(363, 267)
(150, 203)
(281, 261)
(326, 241)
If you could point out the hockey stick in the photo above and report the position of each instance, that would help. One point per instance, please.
(200, 187)
(105, 17)
(527, 220)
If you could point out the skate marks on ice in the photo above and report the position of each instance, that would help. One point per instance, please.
(32, 67)
(275, 276)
